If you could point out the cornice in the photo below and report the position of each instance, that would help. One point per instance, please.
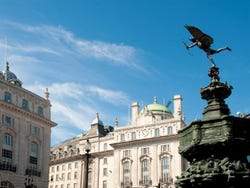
(144, 141)
(82, 157)
(20, 111)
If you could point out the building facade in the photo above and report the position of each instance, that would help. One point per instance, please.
(142, 154)
(25, 129)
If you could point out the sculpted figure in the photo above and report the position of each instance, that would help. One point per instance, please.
(203, 41)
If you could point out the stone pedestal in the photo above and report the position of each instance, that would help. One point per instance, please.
(218, 145)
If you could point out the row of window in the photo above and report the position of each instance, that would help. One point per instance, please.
(145, 150)
(63, 167)
(10, 121)
(7, 151)
(145, 170)
(156, 133)
(25, 103)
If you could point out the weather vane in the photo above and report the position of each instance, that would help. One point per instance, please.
(203, 41)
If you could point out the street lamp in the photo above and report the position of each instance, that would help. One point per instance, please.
(87, 148)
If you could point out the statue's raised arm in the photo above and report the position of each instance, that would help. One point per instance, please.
(203, 41)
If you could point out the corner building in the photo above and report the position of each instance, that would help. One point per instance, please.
(25, 130)
(142, 154)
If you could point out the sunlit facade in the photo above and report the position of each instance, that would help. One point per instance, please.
(25, 128)
(142, 154)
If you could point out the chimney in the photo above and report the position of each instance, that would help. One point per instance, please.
(177, 106)
(135, 112)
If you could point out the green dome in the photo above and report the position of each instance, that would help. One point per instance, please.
(155, 107)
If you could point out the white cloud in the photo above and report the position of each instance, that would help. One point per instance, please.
(75, 105)
(113, 97)
(60, 41)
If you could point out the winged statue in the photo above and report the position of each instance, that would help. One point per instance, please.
(203, 41)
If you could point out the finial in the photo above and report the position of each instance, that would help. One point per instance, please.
(46, 93)
(97, 115)
(116, 122)
(155, 99)
(7, 68)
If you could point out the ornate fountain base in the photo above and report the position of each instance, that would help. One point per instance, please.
(216, 146)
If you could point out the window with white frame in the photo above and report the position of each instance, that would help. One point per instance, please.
(165, 169)
(145, 166)
(165, 148)
(126, 172)
(145, 151)
(133, 135)
(170, 130)
(157, 132)
(7, 150)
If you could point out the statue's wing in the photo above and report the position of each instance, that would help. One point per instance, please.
(199, 35)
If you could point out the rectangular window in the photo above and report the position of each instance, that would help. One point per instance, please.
(133, 135)
(69, 176)
(40, 111)
(25, 104)
(7, 120)
(126, 153)
(122, 137)
(76, 164)
(144, 151)
(75, 175)
(69, 166)
(105, 172)
(165, 148)
(105, 160)
(35, 130)
(104, 184)
(7, 96)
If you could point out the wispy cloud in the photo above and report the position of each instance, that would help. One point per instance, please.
(60, 41)
(76, 104)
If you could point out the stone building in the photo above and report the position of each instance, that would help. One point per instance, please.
(25, 129)
(142, 154)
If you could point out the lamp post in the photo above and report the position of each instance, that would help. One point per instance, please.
(87, 148)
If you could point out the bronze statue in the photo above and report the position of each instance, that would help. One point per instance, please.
(203, 41)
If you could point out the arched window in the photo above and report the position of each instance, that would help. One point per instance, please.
(157, 132)
(7, 96)
(164, 169)
(145, 171)
(170, 130)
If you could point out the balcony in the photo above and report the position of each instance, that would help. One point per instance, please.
(7, 167)
(32, 172)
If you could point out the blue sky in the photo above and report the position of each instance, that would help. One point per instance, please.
(100, 56)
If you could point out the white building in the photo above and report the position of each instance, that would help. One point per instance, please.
(25, 129)
(143, 154)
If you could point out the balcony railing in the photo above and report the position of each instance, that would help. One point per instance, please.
(7, 167)
(32, 172)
